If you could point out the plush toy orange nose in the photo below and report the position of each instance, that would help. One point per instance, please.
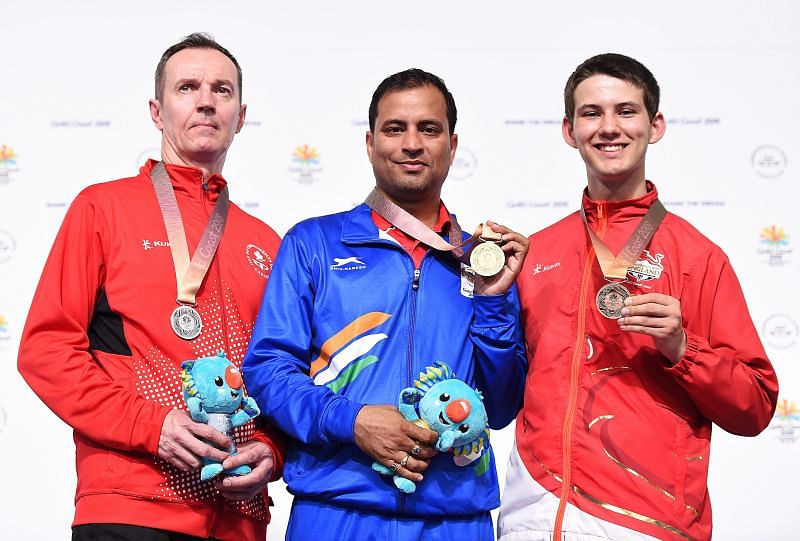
(457, 410)
(233, 377)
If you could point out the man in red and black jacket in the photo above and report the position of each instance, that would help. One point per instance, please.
(101, 348)
(638, 339)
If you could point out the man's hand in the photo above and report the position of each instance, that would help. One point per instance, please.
(386, 436)
(659, 316)
(515, 246)
(258, 455)
(181, 443)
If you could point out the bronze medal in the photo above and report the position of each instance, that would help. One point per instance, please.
(611, 300)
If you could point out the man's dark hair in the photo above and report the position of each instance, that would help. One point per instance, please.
(198, 40)
(406, 80)
(618, 66)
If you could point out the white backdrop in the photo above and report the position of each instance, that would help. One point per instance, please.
(76, 78)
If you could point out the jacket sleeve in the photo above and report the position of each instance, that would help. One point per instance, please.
(500, 362)
(277, 364)
(725, 369)
(265, 433)
(54, 356)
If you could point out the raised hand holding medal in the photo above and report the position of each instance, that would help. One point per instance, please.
(612, 297)
(498, 264)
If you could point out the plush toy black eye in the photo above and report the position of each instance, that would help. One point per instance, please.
(444, 397)
(218, 381)
(464, 428)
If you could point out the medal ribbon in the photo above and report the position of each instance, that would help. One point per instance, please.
(617, 266)
(189, 273)
(414, 228)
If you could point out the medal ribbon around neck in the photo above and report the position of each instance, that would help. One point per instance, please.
(189, 273)
(411, 226)
(617, 266)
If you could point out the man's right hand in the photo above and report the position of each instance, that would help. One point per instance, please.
(181, 442)
(386, 436)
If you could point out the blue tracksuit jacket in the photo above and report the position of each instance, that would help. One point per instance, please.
(346, 320)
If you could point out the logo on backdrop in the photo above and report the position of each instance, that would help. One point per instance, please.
(3, 419)
(8, 164)
(7, 246)
(147, 154)
(259, 260)
(786, 421)
(464, 165)
(5, 336)
(780, 331)
(774, 246)
(768, 161)
(81, 123)
(305, 164)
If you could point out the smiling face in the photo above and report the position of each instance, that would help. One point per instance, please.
(411, 148)
(199, 110)
(611, 130)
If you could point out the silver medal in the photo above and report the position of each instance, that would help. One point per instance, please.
(611, 300)
(487, 259)
(186, 322)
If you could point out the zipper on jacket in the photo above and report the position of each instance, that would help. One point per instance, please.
(574, 382)
(410, 353)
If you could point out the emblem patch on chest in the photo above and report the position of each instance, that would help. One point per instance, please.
(259, 259)
(648, 267)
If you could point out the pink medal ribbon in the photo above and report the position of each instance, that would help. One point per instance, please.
(485, 258)
(189, 273)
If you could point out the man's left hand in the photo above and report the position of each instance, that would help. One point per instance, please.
(257, 455)
(659, 316)
(515, 247)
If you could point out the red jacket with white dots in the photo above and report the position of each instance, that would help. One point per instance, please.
(99, 350)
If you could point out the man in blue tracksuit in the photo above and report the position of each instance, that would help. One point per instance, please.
(355, 310)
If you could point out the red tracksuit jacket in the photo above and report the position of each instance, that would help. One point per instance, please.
(98, 348)
(607, 425)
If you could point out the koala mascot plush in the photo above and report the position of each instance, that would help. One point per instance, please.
(451, 408)
(213, 390)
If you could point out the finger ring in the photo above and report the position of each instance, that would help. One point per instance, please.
(405, 460)
(416, 450)
(394, 466)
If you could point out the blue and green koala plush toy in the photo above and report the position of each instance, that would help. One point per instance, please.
(451, 408)
(213, 390)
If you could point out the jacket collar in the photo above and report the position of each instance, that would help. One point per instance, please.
(359, 227)
(619, 211)
(189, 180)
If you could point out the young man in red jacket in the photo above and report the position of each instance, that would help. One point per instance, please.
(105, 336)
(638, 339)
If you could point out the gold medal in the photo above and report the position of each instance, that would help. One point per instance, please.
(611, 300)
(487, 259)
